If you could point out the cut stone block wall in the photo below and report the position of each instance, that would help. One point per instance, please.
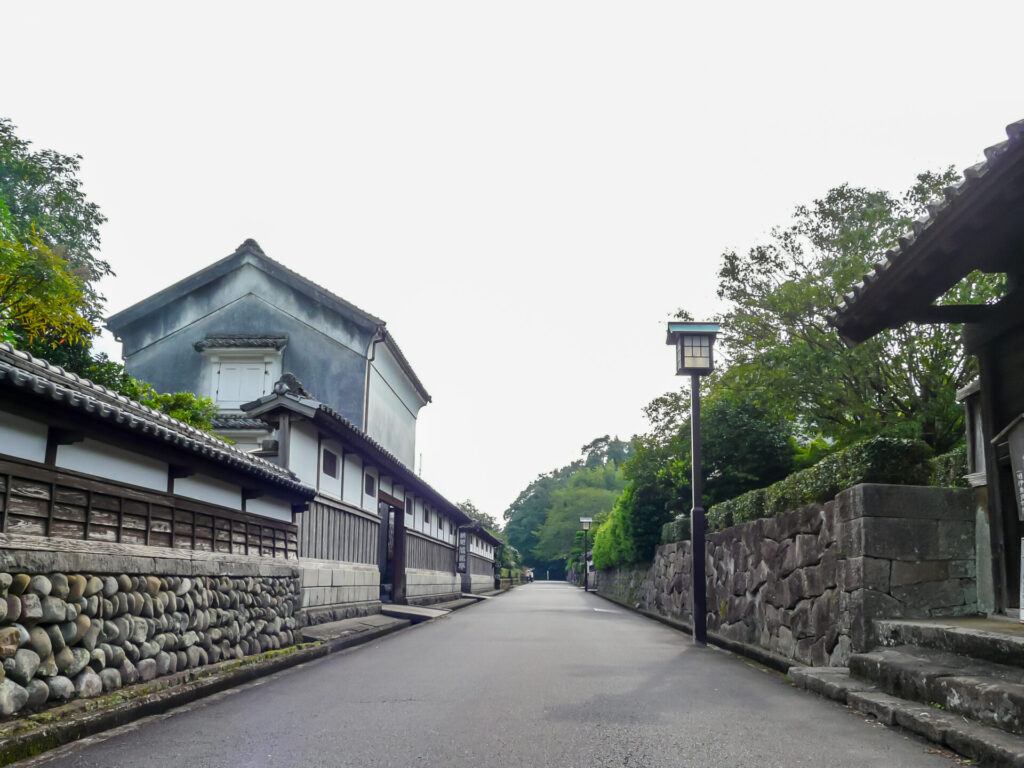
(423, 586)
(808, 584)
(333, 590)
(76, 624)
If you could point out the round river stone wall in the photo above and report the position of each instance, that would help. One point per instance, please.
(67, 635)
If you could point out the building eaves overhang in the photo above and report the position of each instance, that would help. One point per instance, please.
(478, 529)
(53, 387)
(333, 423)
(960, 233)
(404, 363)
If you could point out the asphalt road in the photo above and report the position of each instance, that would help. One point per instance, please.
(541, 676)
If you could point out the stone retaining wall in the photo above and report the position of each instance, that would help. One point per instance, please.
(77, 624)
(808, 584)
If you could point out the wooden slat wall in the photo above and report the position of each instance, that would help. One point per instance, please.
(44, 502)
(480, 566)
(429, 555)
(329, 532)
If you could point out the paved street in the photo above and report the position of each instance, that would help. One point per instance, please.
(543, 676)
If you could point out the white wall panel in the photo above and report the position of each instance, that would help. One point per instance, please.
(102, 460)
(22, 437)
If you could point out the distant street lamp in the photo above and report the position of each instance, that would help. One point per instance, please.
(585, 523)
(694, 343)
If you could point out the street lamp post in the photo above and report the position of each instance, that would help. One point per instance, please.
(585, 523)
(694, 343)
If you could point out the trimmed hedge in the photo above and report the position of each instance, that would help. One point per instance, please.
(950, 469)
(677, 530)
(878, 460)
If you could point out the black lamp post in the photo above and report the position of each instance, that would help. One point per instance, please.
(694, 343)
(585, 524)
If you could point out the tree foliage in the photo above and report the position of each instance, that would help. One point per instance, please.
(45, 199)
(49, 268)
(39, 296)
(743, 448)
(489, 521)
(784, 355)
(590, 492)
(526, 516)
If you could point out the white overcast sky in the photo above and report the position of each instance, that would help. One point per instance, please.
(524, 191)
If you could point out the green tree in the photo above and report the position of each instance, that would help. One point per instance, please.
(49, 267)
(526, 515)
(744, 447)
(591, 492)
(39, 297)
(45, 199)
(471, 509)
(786, 358)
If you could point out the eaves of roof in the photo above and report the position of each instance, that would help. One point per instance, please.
(251, 251)
(55, 387)
(404, 363)
(856, 317)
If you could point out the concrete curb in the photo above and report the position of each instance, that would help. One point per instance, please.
(55, 727)
(760, 655)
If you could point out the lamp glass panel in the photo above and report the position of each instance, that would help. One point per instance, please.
(696, 352)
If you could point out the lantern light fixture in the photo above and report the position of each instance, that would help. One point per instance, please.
(695, 345)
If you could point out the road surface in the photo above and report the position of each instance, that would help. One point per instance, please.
(542, 676)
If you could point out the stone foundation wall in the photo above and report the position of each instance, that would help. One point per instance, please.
(77, 624)
(808, 584)
(333, 590)
(423, 586)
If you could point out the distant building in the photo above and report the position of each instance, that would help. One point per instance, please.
(231, 330)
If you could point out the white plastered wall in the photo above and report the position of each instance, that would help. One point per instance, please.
(107, 461)
(22, 438)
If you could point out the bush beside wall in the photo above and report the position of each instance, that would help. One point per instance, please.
(879, 460)
(950, 469)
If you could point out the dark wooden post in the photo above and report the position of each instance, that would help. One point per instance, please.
(700, 586)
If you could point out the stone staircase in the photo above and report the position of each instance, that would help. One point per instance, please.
(958, 683)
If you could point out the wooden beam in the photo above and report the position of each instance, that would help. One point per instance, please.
(953, 313)
(56, 436)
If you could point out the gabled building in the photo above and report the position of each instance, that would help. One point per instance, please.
(231, 330)
(316, 385)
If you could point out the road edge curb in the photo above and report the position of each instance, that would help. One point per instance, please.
(44, 737)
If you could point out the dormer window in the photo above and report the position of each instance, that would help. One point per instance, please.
(240, 368)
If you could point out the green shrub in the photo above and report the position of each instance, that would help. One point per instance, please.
(612, 547)
(676, 530)
(878, 460)
(949, 469)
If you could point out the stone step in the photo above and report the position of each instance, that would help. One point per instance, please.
(988, 746)
(990, 693)
(991, 639)
(834, 683)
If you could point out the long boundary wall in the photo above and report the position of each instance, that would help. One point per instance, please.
(82, 618)
(808, 584)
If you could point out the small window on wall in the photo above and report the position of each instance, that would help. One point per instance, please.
(426, 517)
(370, 484)
(330, 463)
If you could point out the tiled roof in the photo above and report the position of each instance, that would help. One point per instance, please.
(241, 340)
(956, 198)
(221, 423)
(53, 385)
